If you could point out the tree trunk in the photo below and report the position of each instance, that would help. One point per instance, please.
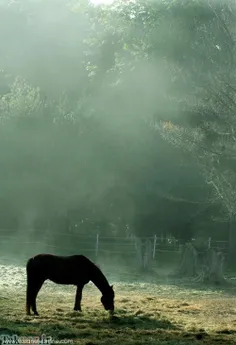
(213, 269)
(208, 269)
(231, 239)
(144, 254)
(139, 252)
(189, 261)
(147, 259)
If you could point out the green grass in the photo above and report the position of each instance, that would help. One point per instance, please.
(146, 314)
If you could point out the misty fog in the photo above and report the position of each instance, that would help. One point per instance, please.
(111, 124)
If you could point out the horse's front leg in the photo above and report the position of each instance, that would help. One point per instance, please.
(36, 287)
(78, 297)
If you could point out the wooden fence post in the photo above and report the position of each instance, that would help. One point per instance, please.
(209, 242)
(96, 248)
(154, 247)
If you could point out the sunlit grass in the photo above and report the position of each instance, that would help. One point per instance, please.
(145, 314)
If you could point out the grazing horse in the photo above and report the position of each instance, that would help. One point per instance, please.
(75, 270)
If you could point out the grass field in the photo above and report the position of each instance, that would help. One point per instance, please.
(146, 313)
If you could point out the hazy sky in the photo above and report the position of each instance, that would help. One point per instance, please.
(106, 2)
(97, 2)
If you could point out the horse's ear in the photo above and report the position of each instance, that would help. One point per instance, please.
(112, 287)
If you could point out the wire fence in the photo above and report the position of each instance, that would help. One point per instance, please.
(20, 244)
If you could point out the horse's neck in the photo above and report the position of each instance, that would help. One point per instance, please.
(99, 280)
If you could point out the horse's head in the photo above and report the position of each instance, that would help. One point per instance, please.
(107, 299)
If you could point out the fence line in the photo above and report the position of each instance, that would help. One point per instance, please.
(168, 239)
(122, 253)
(105, 244)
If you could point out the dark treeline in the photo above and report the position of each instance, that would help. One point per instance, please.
(118, 120)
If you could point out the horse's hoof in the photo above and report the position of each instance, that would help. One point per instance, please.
(77, 309)
(114, 318)
(36, 314)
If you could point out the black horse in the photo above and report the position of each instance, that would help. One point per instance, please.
(70, 270)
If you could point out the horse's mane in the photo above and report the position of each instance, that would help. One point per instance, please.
(98, 274)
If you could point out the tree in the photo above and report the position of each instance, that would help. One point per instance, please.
(209, 134)
(81, 114)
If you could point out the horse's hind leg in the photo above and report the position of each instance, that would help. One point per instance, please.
(78, 297)
(28, 300)
(34, 292)
(29, 292)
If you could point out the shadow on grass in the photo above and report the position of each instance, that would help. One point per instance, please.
(140, 322)
(126, 329)
(36, 328)
(10, 327)
(70, 326)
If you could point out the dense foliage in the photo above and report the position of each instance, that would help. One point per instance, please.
(118, 119)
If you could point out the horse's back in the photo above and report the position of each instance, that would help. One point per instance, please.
(60, 269)
(51, 258)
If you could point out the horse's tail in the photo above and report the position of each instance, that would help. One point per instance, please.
(29, 273)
